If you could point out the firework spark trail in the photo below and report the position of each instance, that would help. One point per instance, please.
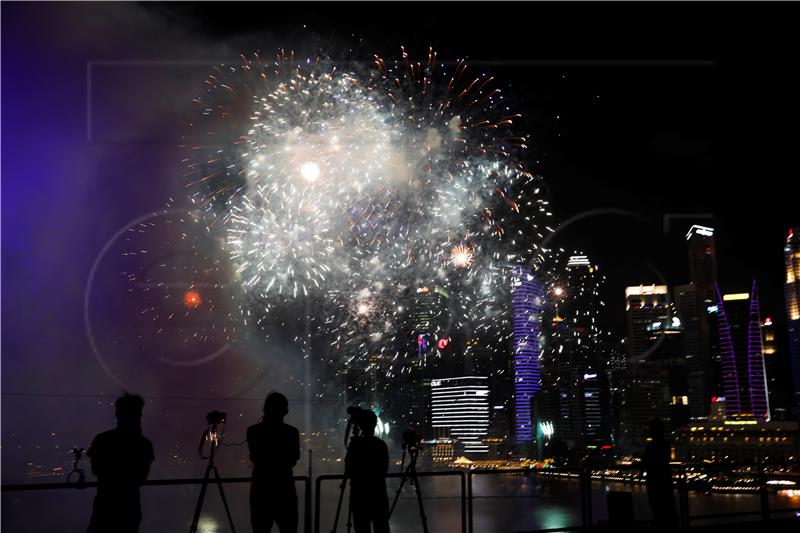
(365, 185)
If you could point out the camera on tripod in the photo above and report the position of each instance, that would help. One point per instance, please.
(213, 435)
(215, 418)
(359, 419)
(412, 440)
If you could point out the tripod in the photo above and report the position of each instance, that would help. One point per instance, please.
(210, 435)
(344, 481)
(410, 474)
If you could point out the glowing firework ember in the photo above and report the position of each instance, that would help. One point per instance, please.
(461, 256)
(192, 299)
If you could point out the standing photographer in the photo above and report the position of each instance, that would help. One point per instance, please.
(121, 460)
(366, 465)
(274, 450)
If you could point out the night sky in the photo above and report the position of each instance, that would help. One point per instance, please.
(654, 110)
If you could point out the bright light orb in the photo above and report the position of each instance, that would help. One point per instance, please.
(192, 299)
(461, 256)
(310, 171)
(362, 309)
(558, 291)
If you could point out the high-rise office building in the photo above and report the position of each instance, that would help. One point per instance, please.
(779, 386)
(702, 363)
(645, 305)
(654, 384)
(792, 292)
(428, 317)
(693, 301)
(526, 305)
(459, 409)
(575, 358)
(741, 348)
(702, 256)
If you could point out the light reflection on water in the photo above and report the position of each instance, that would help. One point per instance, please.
(504, 503)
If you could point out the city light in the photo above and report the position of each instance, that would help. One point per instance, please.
(700, 230)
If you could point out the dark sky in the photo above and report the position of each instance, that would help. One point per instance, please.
(650, 109)
(660, 109)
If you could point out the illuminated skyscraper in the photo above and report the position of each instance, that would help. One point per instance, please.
(645, 305)
(460, 410)
(702, 256)
(693, 302)
(526, 304)
(741, 348)
(779, 380)
(576, 353)
(792, 293)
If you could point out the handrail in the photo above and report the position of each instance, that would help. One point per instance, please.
(16, 487)
(13, 487)
(330, 477)
(466, 492)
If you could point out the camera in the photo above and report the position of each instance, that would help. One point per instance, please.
(215, 418)
(361, 418)
(411, 439)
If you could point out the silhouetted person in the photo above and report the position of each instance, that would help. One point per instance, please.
(274, 450)
(659, 476)
(121, 460)
(366, 465)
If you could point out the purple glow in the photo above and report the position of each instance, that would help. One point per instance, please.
(526, 302)
(730, 377)
(755, 361)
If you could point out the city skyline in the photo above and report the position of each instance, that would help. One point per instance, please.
(524, 237)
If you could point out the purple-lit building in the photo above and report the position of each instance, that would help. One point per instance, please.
(741, 350)
(526, 302)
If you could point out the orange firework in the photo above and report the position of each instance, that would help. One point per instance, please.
(192, 299)
(461, 256)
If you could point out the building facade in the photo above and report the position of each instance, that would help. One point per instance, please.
(792, 293)
(527, 301)
(459, 410)
(741, 349)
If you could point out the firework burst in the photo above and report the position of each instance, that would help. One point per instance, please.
(342, 183)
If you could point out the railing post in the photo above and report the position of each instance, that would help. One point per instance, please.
(307, 519)
(585, 482)
(463, 481)
(589, 495)
(469, 500)
(582, 490)
(683, 497)
(765, 514)
(317, 506)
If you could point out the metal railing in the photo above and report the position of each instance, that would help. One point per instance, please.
(584, 475)
(330, 477)
(166, 482)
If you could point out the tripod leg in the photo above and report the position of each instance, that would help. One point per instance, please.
(224, 499)
(196, 518)
(349, 515)
(397, 494)
(339, 505)
(415, 482)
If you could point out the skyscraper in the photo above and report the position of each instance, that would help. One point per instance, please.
(526, 305)
(779, 386)
(702, 256)
(741, 348)
(655, 377)
(693, 301)
(645, 305)
(460, 409)
(792, 293)
(576, 354)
